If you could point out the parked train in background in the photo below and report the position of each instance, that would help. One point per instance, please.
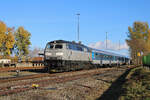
(6, 62)
(61, 55)
(146, 60)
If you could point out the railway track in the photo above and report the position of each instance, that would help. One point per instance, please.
(54, 78)
(9, 79)
(17, 78)
(7, 69)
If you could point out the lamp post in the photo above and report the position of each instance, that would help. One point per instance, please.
(78, 27)
(106, 40)
(119, 44)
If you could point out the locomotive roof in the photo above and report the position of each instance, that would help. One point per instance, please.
(96, 50)
(63, 41)
(59, 41)
(109, 53)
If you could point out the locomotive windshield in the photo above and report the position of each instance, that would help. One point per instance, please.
(58, 46)
(54, 46)
(49, 46)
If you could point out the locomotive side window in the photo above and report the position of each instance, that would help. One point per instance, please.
(58, 46)
(75, 47)
(79, 48)
(71, 47)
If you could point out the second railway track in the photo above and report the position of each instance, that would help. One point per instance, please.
(59, 78)
(7, 69)
(53, 78)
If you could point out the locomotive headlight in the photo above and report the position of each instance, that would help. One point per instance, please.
(48, 54)
(59, 53)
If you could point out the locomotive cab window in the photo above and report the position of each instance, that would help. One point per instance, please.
(58, 46)
(50, 46)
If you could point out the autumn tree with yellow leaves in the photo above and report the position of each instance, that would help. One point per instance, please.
(138, 41)
(13, 41)
(7, 40)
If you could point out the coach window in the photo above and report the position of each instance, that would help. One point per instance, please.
(96, 54)
(107, 57)
(102, 56)
(114, 58)
(111, 58)
(120, 58)
(70, 46)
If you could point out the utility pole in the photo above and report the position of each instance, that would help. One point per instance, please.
(119, 44)
(78, 27)
(106, 40)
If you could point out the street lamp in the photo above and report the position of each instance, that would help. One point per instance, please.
(106, 40)
(119, 44)
(78, 27)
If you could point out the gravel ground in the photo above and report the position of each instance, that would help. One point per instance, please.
(42, 78)
(89, 88)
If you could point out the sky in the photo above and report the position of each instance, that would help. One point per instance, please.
(49, 20)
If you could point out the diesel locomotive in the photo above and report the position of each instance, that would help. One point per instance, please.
(61, 55)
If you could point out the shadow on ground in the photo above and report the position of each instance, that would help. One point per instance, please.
(115, 89)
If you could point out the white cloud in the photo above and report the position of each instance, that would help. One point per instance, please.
(110, 45)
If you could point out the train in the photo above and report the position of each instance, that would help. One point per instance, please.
(30, 62)
(62, 55)
(6, 63)
(146, 60)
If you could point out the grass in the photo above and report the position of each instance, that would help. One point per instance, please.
(137, 85)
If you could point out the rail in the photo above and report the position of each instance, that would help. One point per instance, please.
(6, 69)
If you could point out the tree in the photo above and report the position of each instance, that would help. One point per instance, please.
(22, 43)
(6, 40)
(138, 40)
(3, 30)
(10, 41)
(35, 52)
